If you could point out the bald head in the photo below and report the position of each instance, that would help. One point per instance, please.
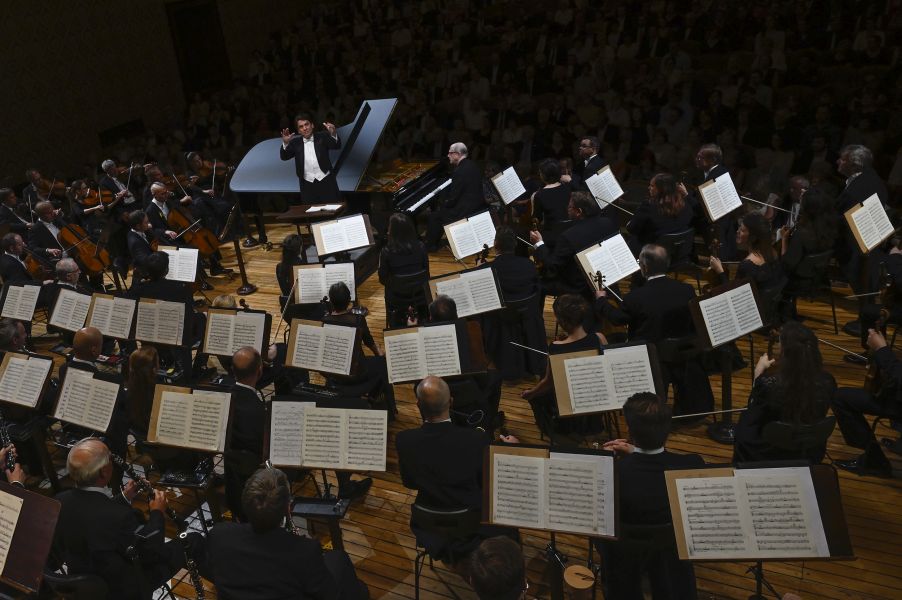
(434, 398)
(247, 365)
(87, 343)
(87, 462)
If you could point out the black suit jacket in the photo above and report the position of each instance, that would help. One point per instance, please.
(517, 276)
(138, 247)
(266, 566)
(322, 143)
(586, 170)
(40, 238)
(464, 196)
(106, 182)
(443, 462)
(93, 533)
(643, 493)
(726, 226)
(248, 420)
(653, 311)
(16, 225)
(858, 190)
(578, 237)
(12, 269)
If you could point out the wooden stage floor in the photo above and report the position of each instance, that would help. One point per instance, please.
(377, 535)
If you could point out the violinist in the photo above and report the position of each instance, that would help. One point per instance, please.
(886, 279)
(12, 269)
(8, 214)
(31, 194)
(206, 203)
(125, 200)
(43, 237)
(83, 215)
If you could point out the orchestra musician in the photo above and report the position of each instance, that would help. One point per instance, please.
(549, 204)
(310, 151)
(464, 196)
(206, 202)
(96, 527)
(12, 268)
(8, 215)
(761, 264)
(141, 241)
(665, 211)
(30, 193)
(497, 570)
(591, 162)
(709, 160)
(125, 200)
(88, 217)
(403, 254)
(43, 236)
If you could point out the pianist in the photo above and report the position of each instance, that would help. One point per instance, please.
(463, 198)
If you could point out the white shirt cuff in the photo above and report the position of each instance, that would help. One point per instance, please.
(539, 243)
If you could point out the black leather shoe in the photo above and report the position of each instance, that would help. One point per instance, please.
(220, 270)
(206, 286)
(855, 360)
(355, 489)
(250, 243)
(852, 328)
(859, 467)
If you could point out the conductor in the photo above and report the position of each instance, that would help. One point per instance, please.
(310, 152)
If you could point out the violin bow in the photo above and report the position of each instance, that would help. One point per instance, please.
(178, 182)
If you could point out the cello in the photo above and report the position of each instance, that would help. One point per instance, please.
(194, 234)
(91, 257)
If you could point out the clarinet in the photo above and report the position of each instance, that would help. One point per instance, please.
(191, 567)
(6, 442)
(289, 525)
(145, 487)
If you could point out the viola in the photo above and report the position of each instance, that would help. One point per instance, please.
(91, 257)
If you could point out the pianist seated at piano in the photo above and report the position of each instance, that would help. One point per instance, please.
(401, 259)
(462, 198)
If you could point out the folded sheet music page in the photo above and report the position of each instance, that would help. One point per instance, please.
(518, 490)
(228, 331)
(86, 401)
(10, 509)
(440, 350)
(468, 236)
(182, 263)
(160, 321)
(344, 234)
(325, 430)
(869, 223)
(113, 316)
(286, 433)
(508, 184)
(23, 379)
(473, 292)
(322, 348)
(605, 501)
(70, 310)
(628, 372)
(612, 257)
(730, 315)
(313, 283)
(604, 186)
(755, 514)
(403, 356)
(367, 440)
(198, 420)
(719, 196)
(20, 302)
(571, 495)
(588, 384)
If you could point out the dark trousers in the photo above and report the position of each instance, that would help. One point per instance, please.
(670, 578)
(691, 387)
(435, 223)
(340, 567)
(850, 406)
(322, 191)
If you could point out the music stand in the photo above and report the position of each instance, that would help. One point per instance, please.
(31, 541)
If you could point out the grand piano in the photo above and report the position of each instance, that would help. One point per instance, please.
(373, 189)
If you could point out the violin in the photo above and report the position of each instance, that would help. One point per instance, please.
(50, 188)
(598, 278)
(483, 256)
(91, 257)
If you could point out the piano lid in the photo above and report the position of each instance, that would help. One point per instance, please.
(261, 169)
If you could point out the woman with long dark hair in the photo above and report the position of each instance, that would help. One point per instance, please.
(143, 365)
(665, 211)
(798, 394)
(291, 256)
(761, 264)
(403, 254)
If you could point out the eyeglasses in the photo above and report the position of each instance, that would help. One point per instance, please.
(452, 152)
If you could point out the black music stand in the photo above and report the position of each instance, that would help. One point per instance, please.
(30, 544)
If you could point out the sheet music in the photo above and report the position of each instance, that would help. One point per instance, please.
(571, 495)
(161, 322)
(323, 207)
(403, 357)
(629, 372)
(307, 343)
(613, 258)
(604, 187)
(20, 302)
(112, 316)
(518, 490)
(587, 384)
(473, 292)
(458, 289)
(344, 234)
(209, 420)
(440, 350)
(338, 348)
(219, 333)
(23, 381)
(872, 223)
(366, 440)
(730, 315)
(173, 418)
(462, 239)
(286, 433)
(182, 264)
(323, 435)
(508, 184)
(713, 518)
(785, 518)
(483, 229)
(86, 401)
(313, 284)
(605, 500)
(10, 509)
(356, 230)
(248, 330)
(720, 196)
(70, 310)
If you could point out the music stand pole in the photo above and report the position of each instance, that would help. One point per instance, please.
(555, 569)
(723, 430)
(246, 286)
(761, 582)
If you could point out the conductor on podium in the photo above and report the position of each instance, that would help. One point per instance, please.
(310, 152)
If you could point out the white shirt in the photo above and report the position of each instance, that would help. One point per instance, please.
(21, 262)
(129, 198)
(852, 178)
(255, 390)
(55, 231)
(658, 276)
(638, 450)
(312, 172)
(162, 206)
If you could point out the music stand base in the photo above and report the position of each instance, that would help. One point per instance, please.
(723, 432)
(246, 290)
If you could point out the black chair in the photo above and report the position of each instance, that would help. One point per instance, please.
(679, 248)
(76, 587)
(438, 533)
(403, 291)
(813, 280)
(799, 440)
